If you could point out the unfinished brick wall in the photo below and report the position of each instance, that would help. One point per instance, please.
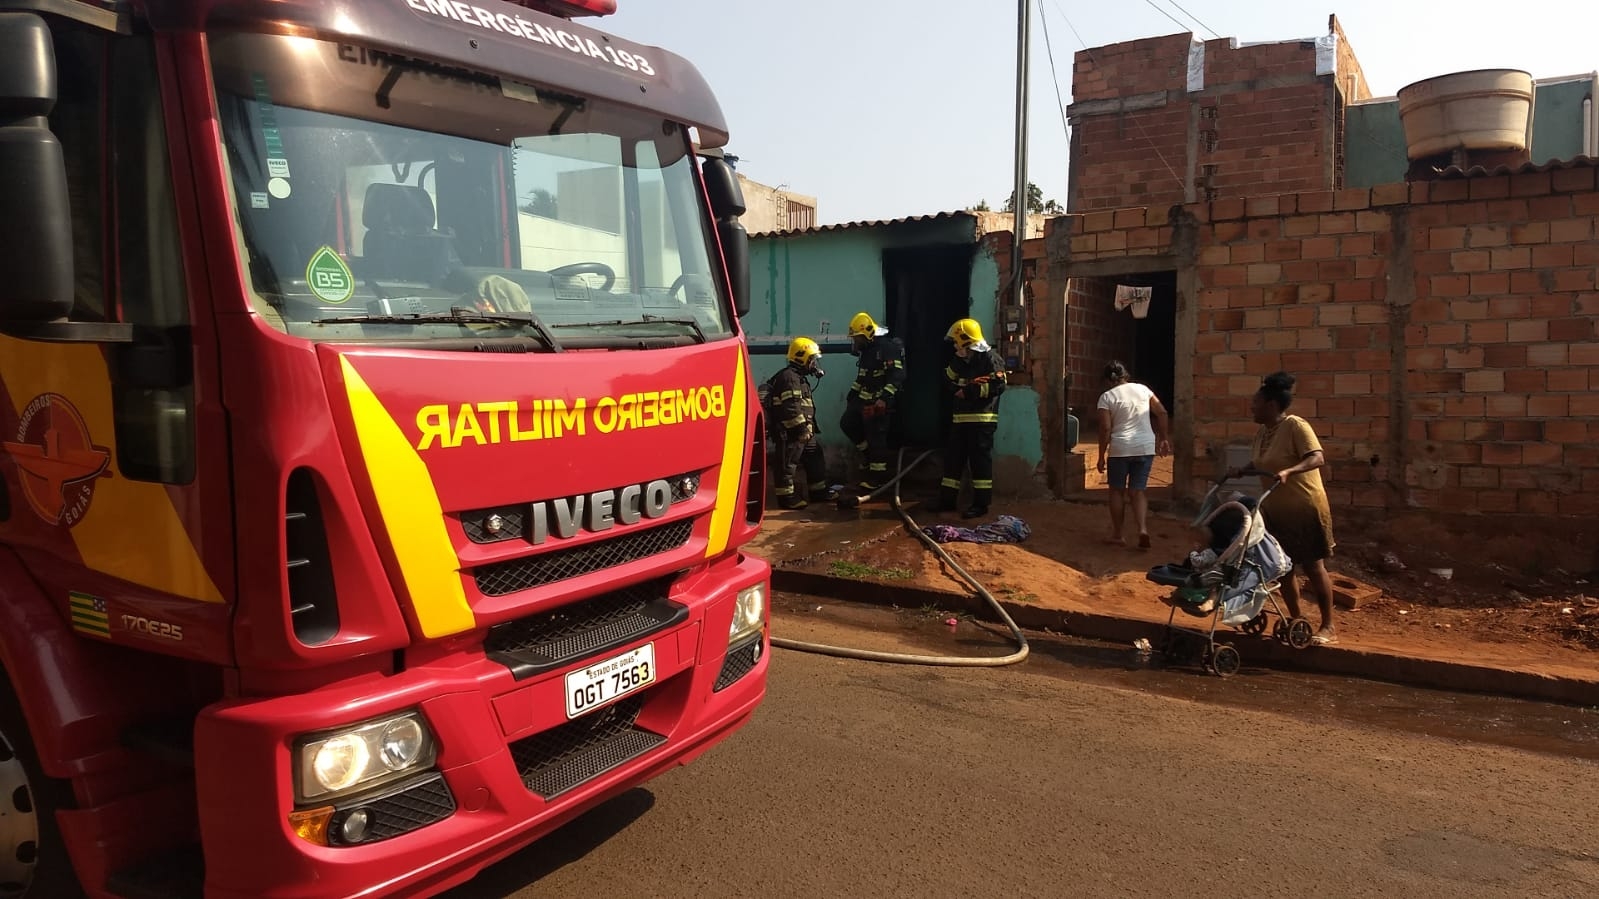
(1503, 375)
(1263, 123)
(1444, 334)
(1299, 283)
(1038, 325)
(1095, 334)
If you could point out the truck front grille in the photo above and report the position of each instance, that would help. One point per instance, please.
(561, 636)
(502, 578)
(565, 757)
(514, 521)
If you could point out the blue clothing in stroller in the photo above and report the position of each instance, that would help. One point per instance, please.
(1242, 561)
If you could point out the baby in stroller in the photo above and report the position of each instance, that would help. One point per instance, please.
(1230, 577)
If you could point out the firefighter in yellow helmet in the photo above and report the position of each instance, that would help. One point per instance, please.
(869, 406)
(792, 421)
(976, 377)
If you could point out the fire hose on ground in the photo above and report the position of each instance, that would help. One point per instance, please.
(869, 655)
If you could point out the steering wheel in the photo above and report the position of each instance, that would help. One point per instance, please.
(587, 268)
(682, 281)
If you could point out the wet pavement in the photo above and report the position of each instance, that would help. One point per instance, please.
(1086, 771)
(1571, 731)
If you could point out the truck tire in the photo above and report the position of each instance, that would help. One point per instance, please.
(33, 857)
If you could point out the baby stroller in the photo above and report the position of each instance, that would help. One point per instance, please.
(1232, 583)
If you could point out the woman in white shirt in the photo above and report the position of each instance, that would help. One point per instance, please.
(1132, 431)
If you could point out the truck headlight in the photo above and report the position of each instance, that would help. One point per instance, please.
(749, 613)
(335, 763)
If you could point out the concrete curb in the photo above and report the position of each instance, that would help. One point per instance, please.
(1256, 651)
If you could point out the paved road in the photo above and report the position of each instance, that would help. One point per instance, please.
(1066, 777)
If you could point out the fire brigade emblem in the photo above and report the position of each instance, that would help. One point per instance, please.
(56, 462)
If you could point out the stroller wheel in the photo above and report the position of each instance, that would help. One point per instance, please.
(1225, 660)
(1280, 631)
(1299, 633)
(1255, 626)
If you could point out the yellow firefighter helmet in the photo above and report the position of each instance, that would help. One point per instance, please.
(966, 334)
(803, 351)
(863, 326)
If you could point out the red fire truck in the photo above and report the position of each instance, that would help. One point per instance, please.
(376, 444)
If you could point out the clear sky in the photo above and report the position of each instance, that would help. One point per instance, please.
(888, 108)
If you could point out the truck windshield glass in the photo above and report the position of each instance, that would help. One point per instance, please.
(381, 196)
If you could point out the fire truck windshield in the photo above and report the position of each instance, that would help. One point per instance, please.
(379, 196)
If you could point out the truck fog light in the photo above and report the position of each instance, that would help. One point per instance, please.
(355, 827)
(749, 613)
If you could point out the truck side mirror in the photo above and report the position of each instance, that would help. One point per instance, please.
(727, 204)
(35, 217)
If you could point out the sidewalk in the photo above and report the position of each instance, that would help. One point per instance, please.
(1065, 579)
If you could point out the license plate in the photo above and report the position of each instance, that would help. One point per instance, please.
(605, 682)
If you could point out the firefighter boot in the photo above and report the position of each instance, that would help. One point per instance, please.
(791, 502)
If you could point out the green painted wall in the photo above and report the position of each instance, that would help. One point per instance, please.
(1374, 145)
(812, 284)
(1374, 139)
(1557, 120)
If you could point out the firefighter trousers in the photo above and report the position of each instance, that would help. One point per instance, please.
(792, 453)
(971, 445)
(870, 436)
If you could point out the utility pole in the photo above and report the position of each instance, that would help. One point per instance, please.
(1019, 205)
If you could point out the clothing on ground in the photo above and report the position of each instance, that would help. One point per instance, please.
(1004, 529)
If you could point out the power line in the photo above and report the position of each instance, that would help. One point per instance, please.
(1049, 47)
(1180, 23)
(1195, 18)
(1132, 117)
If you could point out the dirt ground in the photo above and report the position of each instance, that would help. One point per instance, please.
(1425, 591)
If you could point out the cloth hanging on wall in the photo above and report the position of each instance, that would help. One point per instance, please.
(1136, 297)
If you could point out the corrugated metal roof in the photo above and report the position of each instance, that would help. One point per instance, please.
(850, 226)
(1479, 171)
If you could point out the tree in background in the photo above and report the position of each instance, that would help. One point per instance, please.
(542, 203)
(1035, 202)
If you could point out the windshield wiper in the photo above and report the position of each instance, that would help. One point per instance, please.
(458, 315)
(691, 324)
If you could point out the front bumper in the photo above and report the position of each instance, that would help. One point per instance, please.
(497, 737)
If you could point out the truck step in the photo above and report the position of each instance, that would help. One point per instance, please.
(168, 739)
(177, 874)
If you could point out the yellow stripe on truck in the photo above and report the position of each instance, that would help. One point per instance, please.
(411, 512)
(131, 530)
(731, 475)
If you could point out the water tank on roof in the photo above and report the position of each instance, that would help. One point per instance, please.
(1485, 109)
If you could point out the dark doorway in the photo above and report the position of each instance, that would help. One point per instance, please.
(1097, 333)
(1154, 359)
(926, 289)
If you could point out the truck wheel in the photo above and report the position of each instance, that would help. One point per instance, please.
(33, 857)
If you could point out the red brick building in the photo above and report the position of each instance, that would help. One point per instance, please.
(1443, 332)
(1170, 120)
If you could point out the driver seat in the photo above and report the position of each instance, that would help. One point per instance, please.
(401, 242)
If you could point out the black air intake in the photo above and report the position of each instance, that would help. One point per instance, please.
(755, 484)
(313, 606)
